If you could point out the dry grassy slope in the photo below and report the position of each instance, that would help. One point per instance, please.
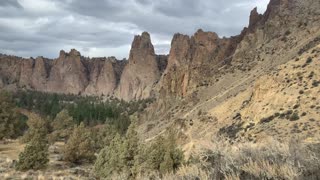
(199, 116)
(266, 109)
(228, 82)
(231, 90)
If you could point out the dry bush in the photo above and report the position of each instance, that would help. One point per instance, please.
(268, 160)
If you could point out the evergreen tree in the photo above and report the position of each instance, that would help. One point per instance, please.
(130, 147)
(103, 136)
(110, 161)
(126, 156)
(62, 125)
(10, 124)
(80, 146)
(163, 155)
(35, 154)
(36, 126)
(156, 153)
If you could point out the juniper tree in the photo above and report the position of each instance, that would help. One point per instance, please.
(62, 126)
(37, 126)
(35, 154)
(10, 126)
(80, 146)
(110, 159)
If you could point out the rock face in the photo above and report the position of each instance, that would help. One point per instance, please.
(103, 77)
(68, 74)
(142, 71)
(194, 62)
(26, 72)
(41, 70)
(213, 77)
(191, 59)
(71, 73)
(255, 18)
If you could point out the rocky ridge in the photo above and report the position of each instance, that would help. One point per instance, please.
(72, 73)
(200, 78)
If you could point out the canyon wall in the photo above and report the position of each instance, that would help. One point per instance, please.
(193, 61)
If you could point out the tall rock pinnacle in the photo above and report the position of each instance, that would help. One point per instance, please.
(141, 72)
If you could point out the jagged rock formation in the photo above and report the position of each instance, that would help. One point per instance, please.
(74, 74)
(41, 70)
(255, 18)
(103, 78)
(142, 71)
(206, 71)
(192, 59)
(68, 74)
(194, 63)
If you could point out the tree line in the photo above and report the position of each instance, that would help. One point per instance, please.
(90, 110)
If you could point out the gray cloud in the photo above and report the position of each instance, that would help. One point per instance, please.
(10, 3)
(107, 27)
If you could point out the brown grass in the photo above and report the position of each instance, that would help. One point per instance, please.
(269, 160)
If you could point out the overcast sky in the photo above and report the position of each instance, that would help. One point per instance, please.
(106, 27)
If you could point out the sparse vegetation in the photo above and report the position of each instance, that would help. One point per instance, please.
(309, 60)
(294, 117)
(290, 160)
(267, 119)
(315, 83)
(231, 131)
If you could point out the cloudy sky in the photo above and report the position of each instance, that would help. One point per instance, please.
(106, 27)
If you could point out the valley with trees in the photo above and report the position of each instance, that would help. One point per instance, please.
(110, 146)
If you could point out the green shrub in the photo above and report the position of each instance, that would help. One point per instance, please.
(119, 156)
(36, 126)
(12, 124)
(110, 160)
(80, 146)
(267, 119)
(128, 157)
(315, 83)
(309, 60)
(62, 126)
(163, 155)
(35, 154)
(294, 117)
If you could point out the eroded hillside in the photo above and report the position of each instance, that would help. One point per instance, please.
(257, 92)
